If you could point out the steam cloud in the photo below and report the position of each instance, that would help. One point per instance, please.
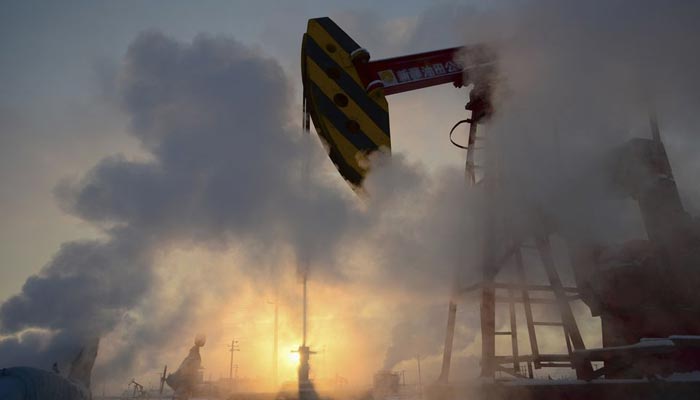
(225, 165)
(224, 172)
(577, 78)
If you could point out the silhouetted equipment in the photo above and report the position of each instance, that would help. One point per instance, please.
(645, 292)
(647, 289)
(81, 367)
(233, 347)
(138, 389)
(26, 383)
(385, 385)
(185, 379)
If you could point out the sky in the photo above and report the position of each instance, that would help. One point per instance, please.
(151, 187)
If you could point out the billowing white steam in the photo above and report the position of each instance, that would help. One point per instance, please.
(577, 78)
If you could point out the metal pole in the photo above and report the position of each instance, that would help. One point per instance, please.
(513, 331)
(532, 335)
(274, 349)
(304, 316)
(420, 380)
(488, 292)
(230, 367)
(583, 367)
(488, 329)
(449, 338)
(470, 166)
(654, 123)
(234, 347)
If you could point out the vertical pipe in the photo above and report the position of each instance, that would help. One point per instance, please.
(470, 166)
(513, 331)
(449, 338)
(488, 330)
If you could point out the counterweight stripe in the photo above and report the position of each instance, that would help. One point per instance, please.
(327, 109)
(354, 91)
(339, 56)
(352, 111)
(338, 34)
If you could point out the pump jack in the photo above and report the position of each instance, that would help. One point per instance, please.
(345, 96)
(345, 93)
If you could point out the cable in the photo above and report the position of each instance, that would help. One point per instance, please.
(453, 129)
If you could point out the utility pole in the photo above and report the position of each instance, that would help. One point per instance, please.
(449, 338)
(233, 347)
(420, 379)
(275, 340)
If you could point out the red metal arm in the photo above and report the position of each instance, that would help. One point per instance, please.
(417, 71)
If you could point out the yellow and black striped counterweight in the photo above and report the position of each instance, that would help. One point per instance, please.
(351, 121)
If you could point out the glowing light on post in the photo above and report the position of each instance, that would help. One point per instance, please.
(293, 358)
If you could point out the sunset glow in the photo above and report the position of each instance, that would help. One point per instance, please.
(293, 358)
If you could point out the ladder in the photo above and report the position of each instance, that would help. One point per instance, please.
(521, 293)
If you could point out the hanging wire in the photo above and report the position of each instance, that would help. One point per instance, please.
(464, 121)
(306, 117)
